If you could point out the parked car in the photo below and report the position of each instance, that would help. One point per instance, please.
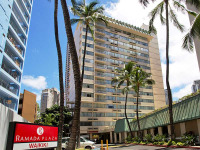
(84, 143)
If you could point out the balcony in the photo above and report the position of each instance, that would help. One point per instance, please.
(8, 102)
(22, 10)
(11, 72)
(14, 58)
(18, 31)
(15, 44)
(101, 91)
(100, 31)
(9, 86)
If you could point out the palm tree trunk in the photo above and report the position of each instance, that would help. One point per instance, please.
(137, 114)
(167, 72)
(77, 77)
(60, 127)
(83, 69)
(126, 115)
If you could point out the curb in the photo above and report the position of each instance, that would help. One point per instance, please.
(193, 147)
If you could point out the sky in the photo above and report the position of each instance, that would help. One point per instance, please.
(41, 63)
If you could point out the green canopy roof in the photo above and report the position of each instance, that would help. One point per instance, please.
(185, 110)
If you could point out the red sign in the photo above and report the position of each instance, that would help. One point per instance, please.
(31, 136)
(34, 133)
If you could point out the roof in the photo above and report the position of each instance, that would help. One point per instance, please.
(182, 111)
(127, 25)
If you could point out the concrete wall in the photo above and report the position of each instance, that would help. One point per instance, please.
(6, 116)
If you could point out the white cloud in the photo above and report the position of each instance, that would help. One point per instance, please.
(184, 91)
(37, 83)
(183, 65)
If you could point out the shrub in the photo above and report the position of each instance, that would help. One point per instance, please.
(189, 139)
(161, 143)
(142, 142)
(128, 139)
(148, 138)
(137, 139)
(159, 138)
(180, 144)
(170, 142)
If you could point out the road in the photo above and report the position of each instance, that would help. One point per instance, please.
(142, 147)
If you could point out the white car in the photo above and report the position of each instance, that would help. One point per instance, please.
(84, 143)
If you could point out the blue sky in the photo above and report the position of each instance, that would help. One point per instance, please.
(41, 65)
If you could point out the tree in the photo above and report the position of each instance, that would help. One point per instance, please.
(59, 53)
(51, 117)
(125, 76)
(169, 13)
(140, 79)
(77, 77)
(88, 15)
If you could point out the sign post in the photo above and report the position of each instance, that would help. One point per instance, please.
(31, 136)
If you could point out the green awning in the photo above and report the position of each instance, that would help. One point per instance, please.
(185, 110)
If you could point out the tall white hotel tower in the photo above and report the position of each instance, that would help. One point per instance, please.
(15, 18)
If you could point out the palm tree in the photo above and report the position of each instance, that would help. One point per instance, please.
(77, 77)
(169, 13)
(88, 15)
(60, 127)
(125, 76)
(140, 79)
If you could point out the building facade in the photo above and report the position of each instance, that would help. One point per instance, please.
(196, 40)
(49, 97)
(196, 86)
(166, 97)
(28, 106)
(114, 45)
(14, 28)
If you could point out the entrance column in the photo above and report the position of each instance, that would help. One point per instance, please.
(152, 131)
(160, 131)
(198, 125)
(111, 138)
(125, 136)
(115, 137)
(183, 129)
(120, 137)
(145, 132)
(169, 130)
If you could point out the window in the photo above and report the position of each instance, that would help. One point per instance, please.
(85, 85)
(88, 53)
(88, 38)
(87, 94)
(85, 123)
(88, 77)
(89, 68)
(88, 105)
(88, 45)
(86, 114)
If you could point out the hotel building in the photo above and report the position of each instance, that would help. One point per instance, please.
(114, 45)
(14, 28)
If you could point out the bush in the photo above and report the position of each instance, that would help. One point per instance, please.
(148, 138)
(142, 142)
(128, 139)
(137, 139)
(161, 143)
(180, 144)
(159, 138)
(189, 139)
(170, 142)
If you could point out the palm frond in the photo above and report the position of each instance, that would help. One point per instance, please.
(162, 19)
(181, 7)
(195, 3)
(153, 15)
(174, 19)
(74, 21)
(145, 2)
(194, 32)
(92, 5)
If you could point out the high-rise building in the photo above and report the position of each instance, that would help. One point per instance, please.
(166, 97)
(196, 40)
(196, 86)
(114, 45)
(28, 106)
(14, 28)
(49, 97)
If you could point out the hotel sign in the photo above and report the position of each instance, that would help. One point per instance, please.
(31, 136)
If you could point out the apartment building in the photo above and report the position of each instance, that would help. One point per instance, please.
(28, 106)
(196, 86)
(114, 45)
(14, 28)
(49, 97)
(196, 40)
